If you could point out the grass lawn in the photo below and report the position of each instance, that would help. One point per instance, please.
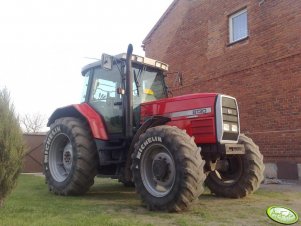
(110, 203)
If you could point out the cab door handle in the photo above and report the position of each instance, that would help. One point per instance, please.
(117, 103)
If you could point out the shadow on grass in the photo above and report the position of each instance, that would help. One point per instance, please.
(111, 195)
(111, 192)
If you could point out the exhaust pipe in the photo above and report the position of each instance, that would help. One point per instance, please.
(129, 94)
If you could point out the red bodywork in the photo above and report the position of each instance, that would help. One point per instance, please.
(186, 113)
(82, 110)
(94, 120)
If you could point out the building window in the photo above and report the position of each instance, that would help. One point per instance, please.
(238, 26)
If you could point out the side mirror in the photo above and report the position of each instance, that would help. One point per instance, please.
(178, 80)
(106, 61)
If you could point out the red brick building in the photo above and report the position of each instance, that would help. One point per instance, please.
(250, 49)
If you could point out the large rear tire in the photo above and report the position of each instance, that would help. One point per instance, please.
(70, 157)
(244, 175)
(167, 169)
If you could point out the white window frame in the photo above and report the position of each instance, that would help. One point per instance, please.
(231, 17)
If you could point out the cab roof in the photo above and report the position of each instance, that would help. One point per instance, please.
(135, 59)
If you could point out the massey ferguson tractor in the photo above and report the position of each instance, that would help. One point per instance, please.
(127, 128)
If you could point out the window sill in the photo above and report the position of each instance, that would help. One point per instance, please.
(238, 41)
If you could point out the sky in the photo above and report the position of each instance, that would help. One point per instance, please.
(45, 43)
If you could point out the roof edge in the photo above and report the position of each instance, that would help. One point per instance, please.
(162, 18)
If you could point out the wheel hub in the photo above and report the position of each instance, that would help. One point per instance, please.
(67, 157)
(160, 169)
(60, 157)
(163, 169)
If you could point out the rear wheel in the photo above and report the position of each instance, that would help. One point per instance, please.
(70, 157)
(167, 169)
(244, 173)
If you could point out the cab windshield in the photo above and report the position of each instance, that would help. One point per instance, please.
(148, 84)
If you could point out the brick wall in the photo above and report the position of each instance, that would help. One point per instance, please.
(263, 72)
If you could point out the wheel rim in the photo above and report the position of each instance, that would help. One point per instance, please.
(60, 158)
(158, 170)
(232, 175)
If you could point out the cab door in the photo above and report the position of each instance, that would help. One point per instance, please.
(105, 99)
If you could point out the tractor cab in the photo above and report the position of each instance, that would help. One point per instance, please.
(105, 85)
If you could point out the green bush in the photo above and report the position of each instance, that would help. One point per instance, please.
(11, 146)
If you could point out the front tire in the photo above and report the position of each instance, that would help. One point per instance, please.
(167, 169)
(70, 157)
(244, 175)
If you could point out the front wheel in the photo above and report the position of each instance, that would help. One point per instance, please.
(244, 173)
(167, 169)
(70, 157)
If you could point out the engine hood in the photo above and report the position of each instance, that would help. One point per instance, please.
(180, 106)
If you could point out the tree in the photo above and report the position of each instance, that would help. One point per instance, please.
(11, 146)
(33, 123)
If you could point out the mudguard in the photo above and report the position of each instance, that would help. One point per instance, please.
(86, 112)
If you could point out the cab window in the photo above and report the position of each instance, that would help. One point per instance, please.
(104, 98)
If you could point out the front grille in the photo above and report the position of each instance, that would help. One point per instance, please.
(230, 117)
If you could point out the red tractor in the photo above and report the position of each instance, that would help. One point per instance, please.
(127, 128)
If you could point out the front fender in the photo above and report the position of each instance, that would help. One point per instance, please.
(85, 112)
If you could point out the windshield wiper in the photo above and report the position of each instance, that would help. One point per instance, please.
(136, 82)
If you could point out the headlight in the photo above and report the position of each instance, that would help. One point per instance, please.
(234, 128)
(226, 127)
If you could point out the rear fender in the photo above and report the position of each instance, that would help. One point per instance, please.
(85, 112)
